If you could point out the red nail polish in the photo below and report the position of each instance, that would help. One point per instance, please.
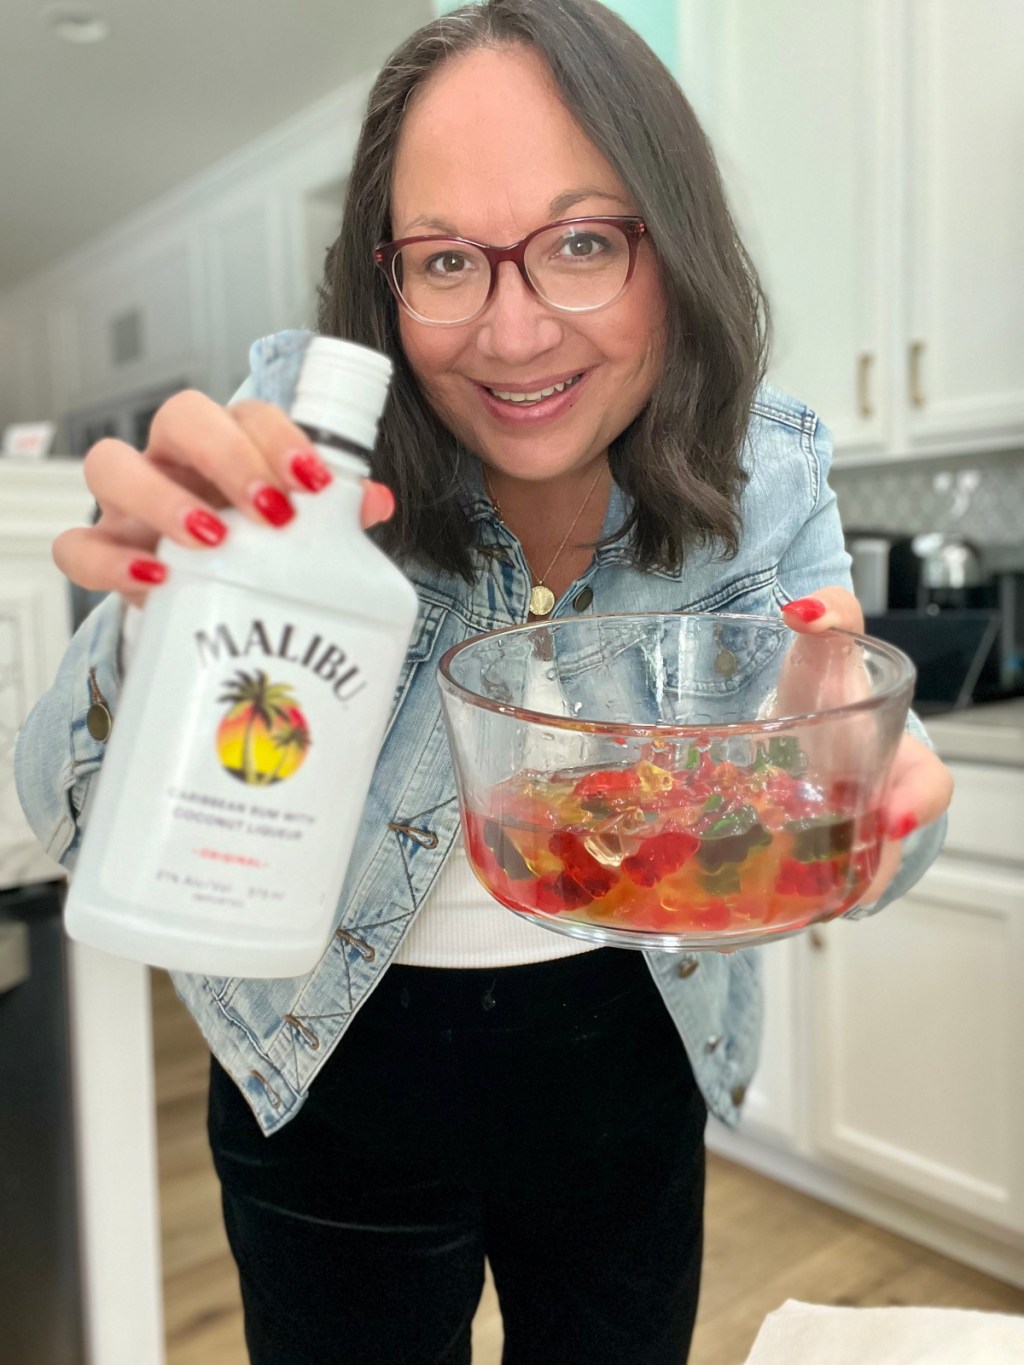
(389, 511)
(806, 609)
(205, 526)
(902, 826)
(271, 503)
(147, 570)
(310, 471)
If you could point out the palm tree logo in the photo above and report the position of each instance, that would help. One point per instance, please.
(264, 737)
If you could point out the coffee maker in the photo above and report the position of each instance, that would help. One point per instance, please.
(958, 612)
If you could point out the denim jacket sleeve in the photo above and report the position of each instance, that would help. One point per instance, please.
(56, 757)
(816, 559)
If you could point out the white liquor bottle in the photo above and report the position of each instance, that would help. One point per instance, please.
(250, 721)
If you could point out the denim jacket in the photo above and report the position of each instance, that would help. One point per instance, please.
(273, 1036)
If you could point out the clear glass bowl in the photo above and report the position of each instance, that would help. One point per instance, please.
(672, 781)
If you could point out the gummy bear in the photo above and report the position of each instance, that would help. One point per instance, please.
(581, 866)
(658, 856)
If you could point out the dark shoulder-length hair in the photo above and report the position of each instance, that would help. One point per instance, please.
(680, 459)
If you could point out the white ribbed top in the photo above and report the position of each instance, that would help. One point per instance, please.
(462, 926)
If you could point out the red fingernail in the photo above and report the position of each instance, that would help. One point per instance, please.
(902, 826)
(390, 512)
(806, 609)
(271, 503)
(205, 526)
(147, 570)
(310, 471)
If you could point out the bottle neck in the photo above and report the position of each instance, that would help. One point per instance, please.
(343, 456)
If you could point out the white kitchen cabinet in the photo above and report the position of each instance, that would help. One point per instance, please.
(108, 1007)
(245, 257)
(871, 151)
(965, 247)
(136, 321)
(795, 102)
(890, 1082)
(28, 360)
(37, 500)
(772, 1108)
(917, 1016)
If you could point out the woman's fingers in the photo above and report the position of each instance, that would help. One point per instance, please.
(120, 479)
(920, 788)
(94, 562)
(220, 443)
(378, 504)
(828, 609)
(200, 457)
(820, 675)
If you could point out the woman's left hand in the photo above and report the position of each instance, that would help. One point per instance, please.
(920, 784)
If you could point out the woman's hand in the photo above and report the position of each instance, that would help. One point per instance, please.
(920, 784)
(201, 458)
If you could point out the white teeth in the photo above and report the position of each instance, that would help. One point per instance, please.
(535, 397)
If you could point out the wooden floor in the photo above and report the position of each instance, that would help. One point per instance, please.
(765, 1243)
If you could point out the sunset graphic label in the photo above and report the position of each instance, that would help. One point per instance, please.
(264, 737)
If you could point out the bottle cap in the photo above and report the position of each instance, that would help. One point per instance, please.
(342, 388)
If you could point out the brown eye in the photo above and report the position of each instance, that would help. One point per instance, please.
(446, 263)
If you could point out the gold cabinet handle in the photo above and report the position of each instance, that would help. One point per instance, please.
(865, 361)
(817, 940)
(916, 383)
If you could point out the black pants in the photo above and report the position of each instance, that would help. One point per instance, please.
(543, 1116)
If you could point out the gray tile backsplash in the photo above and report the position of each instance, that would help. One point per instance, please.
(981, 498)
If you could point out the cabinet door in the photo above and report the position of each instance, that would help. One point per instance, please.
(796, 103)
(36, 502)
(135, 323)
(965, 212)
(917, 1019)
(771, 1108)
(245, 256)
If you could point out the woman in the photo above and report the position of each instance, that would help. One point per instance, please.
(451, 1082)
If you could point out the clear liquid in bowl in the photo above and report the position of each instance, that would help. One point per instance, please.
(678, 844)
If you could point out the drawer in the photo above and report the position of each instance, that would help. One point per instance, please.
(986, 818)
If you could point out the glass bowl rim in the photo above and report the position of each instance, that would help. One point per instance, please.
(906, 673)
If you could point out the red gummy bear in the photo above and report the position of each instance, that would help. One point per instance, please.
(554, 893)
(582, 867)
(658, 856)
(807, 879)
(609, 783)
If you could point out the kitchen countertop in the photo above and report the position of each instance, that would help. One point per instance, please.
(989, 733)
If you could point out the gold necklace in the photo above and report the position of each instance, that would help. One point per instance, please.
(542, 599)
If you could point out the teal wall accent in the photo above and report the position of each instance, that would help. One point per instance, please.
(655, 20)
(657, 23)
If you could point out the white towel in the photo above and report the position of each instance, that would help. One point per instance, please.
(814, 1334)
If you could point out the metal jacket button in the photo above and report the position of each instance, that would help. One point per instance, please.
(583, 599)
(99, 722)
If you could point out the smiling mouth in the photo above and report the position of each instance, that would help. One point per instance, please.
(529, 399)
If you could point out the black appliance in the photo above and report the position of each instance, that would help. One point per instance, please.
(968, 638)
(40, 1297)
(953, 651)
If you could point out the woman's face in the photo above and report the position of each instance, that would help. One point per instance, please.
(489, 152)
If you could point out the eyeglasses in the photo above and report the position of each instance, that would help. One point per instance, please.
(576, 265)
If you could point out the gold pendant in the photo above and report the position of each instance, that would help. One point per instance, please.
(542, 599)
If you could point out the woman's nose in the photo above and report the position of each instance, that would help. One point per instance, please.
(516, 325)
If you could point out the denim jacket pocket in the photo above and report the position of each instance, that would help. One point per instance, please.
(723, 663)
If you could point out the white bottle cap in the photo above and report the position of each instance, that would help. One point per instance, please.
(342, 388)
